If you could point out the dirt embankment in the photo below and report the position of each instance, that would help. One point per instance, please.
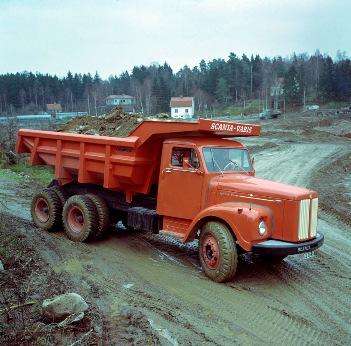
(333, 181)
(151, 289)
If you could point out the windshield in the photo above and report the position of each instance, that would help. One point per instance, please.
(226, 159)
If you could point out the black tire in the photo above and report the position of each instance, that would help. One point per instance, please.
(60, 192)
(46, 210)
(103, 214)
(217, 252)
(80, 218)
(273, 259)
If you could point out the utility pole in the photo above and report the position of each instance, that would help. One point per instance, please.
(251, 80)
(317, 74)
(88, 103)
(259, 107)
(95, 103)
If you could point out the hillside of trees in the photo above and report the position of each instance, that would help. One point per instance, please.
(214, 84)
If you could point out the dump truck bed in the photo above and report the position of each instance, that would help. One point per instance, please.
(130, 164)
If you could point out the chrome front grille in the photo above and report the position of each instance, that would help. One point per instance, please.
(308, 218)
(314, 216)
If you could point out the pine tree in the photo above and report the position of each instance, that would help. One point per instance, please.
(222, 91)
(292, 88)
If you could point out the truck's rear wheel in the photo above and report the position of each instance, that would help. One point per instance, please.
(46, 210)
(217, 252)
(60, 192)
(103, 214)
(80, 218)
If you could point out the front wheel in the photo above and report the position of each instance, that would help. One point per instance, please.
(217, 252)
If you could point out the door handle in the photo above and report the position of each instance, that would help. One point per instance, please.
(168, 170)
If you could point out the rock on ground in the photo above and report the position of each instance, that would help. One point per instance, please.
(62, 306)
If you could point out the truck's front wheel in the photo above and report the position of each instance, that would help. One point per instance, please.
(217, 252)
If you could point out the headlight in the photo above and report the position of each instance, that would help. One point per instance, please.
(262, 228)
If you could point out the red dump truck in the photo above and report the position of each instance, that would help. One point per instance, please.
(185, 180)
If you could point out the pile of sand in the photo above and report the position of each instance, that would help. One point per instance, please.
(115, 123)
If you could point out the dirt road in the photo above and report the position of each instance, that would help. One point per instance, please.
(299, 301)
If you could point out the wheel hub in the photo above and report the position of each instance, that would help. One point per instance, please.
(210, 252)
(42, 210)
(76, 219)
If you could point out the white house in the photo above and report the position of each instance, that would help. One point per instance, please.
(126, 102)
(182, 107)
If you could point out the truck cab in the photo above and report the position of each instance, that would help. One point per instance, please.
(203, 181)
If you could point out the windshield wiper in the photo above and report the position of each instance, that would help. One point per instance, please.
(237, 165)
(214, 162)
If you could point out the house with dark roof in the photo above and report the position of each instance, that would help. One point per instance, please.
(126, 102)
(182, 107)
(53, 108)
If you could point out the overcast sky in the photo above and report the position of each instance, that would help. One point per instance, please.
(111, 36)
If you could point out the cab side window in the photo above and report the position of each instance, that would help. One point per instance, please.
(184, 157)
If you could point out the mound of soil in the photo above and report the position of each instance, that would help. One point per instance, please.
(335, 197)
(340, 128)
(116, 123)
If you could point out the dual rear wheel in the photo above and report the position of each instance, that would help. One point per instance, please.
(84, 217)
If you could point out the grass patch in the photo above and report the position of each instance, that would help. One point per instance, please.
(9, 175)
(334, 105)
(251, 107)
(42, 175)
(256, 106)
(236, 109)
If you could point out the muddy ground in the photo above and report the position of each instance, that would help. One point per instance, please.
(146, 289)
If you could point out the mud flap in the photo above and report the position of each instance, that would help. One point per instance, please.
(143, 219)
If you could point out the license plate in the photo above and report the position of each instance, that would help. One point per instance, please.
(308, 254)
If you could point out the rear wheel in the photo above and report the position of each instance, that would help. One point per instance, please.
(103, 214)
(60, 192)
(46, 210)
(217, 252)
(80, 218)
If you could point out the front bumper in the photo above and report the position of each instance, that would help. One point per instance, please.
(283, 248)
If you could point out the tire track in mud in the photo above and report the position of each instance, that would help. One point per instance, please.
(246, 317)
(294, 163)
(314, 282)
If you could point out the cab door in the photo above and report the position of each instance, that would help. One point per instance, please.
(180, 183)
